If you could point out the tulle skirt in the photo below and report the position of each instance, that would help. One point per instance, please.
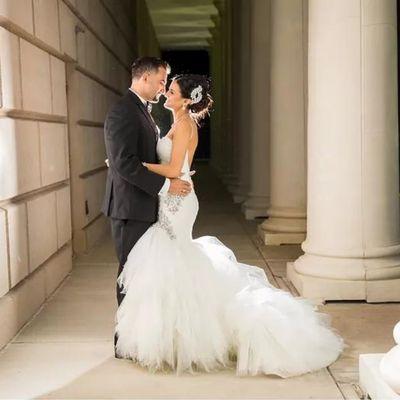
(191, 306)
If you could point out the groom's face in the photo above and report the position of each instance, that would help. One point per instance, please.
(156, 82)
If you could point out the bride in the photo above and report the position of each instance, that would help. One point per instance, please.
(189, 305)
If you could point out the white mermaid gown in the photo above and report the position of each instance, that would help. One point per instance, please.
(190, 306)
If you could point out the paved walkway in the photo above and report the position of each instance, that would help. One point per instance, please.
(66, 351)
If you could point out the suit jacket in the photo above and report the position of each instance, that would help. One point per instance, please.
(130, 137)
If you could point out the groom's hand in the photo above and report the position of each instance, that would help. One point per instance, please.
(179, 187)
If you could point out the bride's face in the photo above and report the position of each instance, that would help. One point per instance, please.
(174, 101)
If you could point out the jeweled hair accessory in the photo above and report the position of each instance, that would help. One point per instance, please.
(196, 94)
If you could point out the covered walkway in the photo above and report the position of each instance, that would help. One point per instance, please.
(66, 350)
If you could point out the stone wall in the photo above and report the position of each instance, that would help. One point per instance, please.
(62, 63)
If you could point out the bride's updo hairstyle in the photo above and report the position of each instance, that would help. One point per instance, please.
(187, 84)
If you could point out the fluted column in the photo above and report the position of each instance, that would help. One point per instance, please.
(257, 200)
(352, 249)
(242, 100)
(286, 221)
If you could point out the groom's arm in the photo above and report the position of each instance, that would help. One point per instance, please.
(122, 150)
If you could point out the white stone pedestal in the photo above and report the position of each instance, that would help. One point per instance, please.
(370, 379)
(278, 238)
(333, 288)
(255, 207)
(239, 198)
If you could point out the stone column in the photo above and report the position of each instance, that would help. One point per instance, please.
(352, 250)
(242, 101)
(287, 213)
(228, 176)
(217, 85)
(221, 131)
(258, 197)
(235, 57)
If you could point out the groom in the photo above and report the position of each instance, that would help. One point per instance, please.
(130, 133)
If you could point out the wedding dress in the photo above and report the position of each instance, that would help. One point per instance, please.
(189, 305)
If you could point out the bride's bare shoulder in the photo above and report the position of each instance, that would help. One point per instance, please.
(186, 128)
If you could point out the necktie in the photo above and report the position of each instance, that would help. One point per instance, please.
(148, 106)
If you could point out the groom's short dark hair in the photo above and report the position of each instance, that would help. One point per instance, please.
(148, 64)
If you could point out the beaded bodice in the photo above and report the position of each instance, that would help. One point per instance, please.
(176, 214)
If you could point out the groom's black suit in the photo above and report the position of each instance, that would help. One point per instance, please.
(131, 197)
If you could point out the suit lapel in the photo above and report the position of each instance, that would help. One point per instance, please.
(144, 111)
(148, 116)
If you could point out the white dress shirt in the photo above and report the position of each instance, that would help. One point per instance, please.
(167, 182)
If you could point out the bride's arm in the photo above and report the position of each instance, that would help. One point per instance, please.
(180, 143)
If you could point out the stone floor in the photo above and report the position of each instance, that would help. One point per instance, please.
(66, 350)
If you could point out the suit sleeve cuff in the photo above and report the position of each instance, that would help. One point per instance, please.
(165, 187)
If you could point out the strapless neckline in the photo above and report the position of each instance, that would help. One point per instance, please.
(164, 153)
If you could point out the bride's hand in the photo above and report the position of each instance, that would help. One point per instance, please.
(191, 173)
(144, 164)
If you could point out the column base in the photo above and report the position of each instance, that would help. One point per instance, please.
(325, 289)
(285, 225)
(240, 192)
(239, 198)
(278, 238)
(232, 188)
(370, 378)
(255, 207)
(229, 180)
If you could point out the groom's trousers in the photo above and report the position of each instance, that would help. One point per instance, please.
(125, 232)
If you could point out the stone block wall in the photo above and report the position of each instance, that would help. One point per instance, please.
(62, 64)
